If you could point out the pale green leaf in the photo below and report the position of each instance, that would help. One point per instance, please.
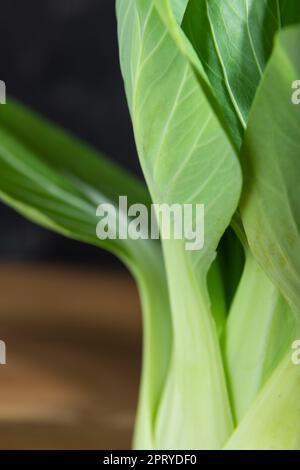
(57, 181)
(270, 205)
(179, 7)
(187, 158)
(258, 333)
(273, 421)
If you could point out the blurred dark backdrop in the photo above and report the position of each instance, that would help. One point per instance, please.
(61, 58)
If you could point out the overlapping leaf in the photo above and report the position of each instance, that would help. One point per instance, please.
(270, 212)
(271, 199)
(179, 7)
(186, 158)
(234, 41)
(57, 181)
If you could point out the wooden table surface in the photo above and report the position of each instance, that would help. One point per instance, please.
(73, 339)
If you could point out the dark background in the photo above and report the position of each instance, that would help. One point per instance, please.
(60, 57)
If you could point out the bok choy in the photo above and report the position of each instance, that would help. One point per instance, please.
(209, 87)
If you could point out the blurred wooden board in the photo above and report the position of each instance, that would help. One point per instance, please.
(73, 341)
